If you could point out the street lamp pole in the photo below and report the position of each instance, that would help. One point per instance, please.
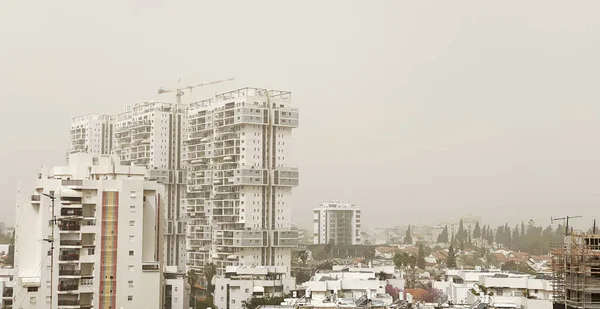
(51, 241)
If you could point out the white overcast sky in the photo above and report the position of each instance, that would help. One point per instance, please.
(416, 111)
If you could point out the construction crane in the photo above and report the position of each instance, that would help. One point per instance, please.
(179, 92)
(566, 220)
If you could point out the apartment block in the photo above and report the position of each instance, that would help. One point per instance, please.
(338, 223)
(176, 289)
(104, 223)
(91, 133)
(241, 283)
(240, 178)
(576, 271)
(150, 134)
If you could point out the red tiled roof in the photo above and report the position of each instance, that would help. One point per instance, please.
(418, 294)
(440, 256)
(499, 257)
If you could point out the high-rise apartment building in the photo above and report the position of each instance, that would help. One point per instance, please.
(150, 134)
(240, 179)
(105, 226)
(337, 223)
(91, 133)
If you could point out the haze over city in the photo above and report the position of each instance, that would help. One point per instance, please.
(413, 111)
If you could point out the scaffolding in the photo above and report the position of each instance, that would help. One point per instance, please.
(576, 271)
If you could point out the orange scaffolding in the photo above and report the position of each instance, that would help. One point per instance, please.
(576, 271)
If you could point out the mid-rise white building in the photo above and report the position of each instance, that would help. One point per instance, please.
(241, 283)
(106, 224)
(6, 286)
(91, 133)
(337, 223)
(149, 134)
(176, 289)
(240, 178)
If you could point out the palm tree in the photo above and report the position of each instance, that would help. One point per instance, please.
(210, 271)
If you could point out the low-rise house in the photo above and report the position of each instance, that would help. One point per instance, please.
(353, 283)
(241, 283)
(386, 252)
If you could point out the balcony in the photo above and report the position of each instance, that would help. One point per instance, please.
(70, 302)
(150, 266)
(71, 212)
(7, 292)
(69, 272)
(35, 199)
(70, 243)
(69, 257)
(66, 287)
(69, 226)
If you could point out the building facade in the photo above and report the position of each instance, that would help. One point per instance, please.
(337, 223)
(241, 283)
(107, 245)
(149, 134)
(91, 133)
(240, 179)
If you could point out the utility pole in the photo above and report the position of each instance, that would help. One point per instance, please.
(51, 241)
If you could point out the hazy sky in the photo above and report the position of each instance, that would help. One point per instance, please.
(414, 111)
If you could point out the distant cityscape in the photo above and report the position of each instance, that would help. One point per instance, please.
(172, 205)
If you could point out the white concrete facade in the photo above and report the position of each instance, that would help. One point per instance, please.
(176, 289)
(337, 222)
(150, 134)
(240, 179)
(241, 283)
(107, 250)
(352, 283)
(521, 290)
(91, 133)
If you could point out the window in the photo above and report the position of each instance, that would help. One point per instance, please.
(131, 238)
(48, 298)
(91, 251)
(130, 282)
(132, 194)
(131, 268)
(132, 208)
(130, 297)
(130, 252)
(32, 289)
(132, 223)
(32, 300)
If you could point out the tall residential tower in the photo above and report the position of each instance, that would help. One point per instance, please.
(91, 133)
(337, 223)
(240, 179)
(150, 134)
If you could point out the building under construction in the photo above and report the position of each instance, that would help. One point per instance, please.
(576, 272)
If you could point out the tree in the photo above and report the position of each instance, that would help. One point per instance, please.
(434, 295)
(369, 254)
(11, 251)
(408, 237)
(421, 257)
(477, 231)
(255, 302)
(451, 261)
(328, 248)
(392, 291)
(325, 265)
(443, 237)
(401, 260)
(210, 271)
(302, 277)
